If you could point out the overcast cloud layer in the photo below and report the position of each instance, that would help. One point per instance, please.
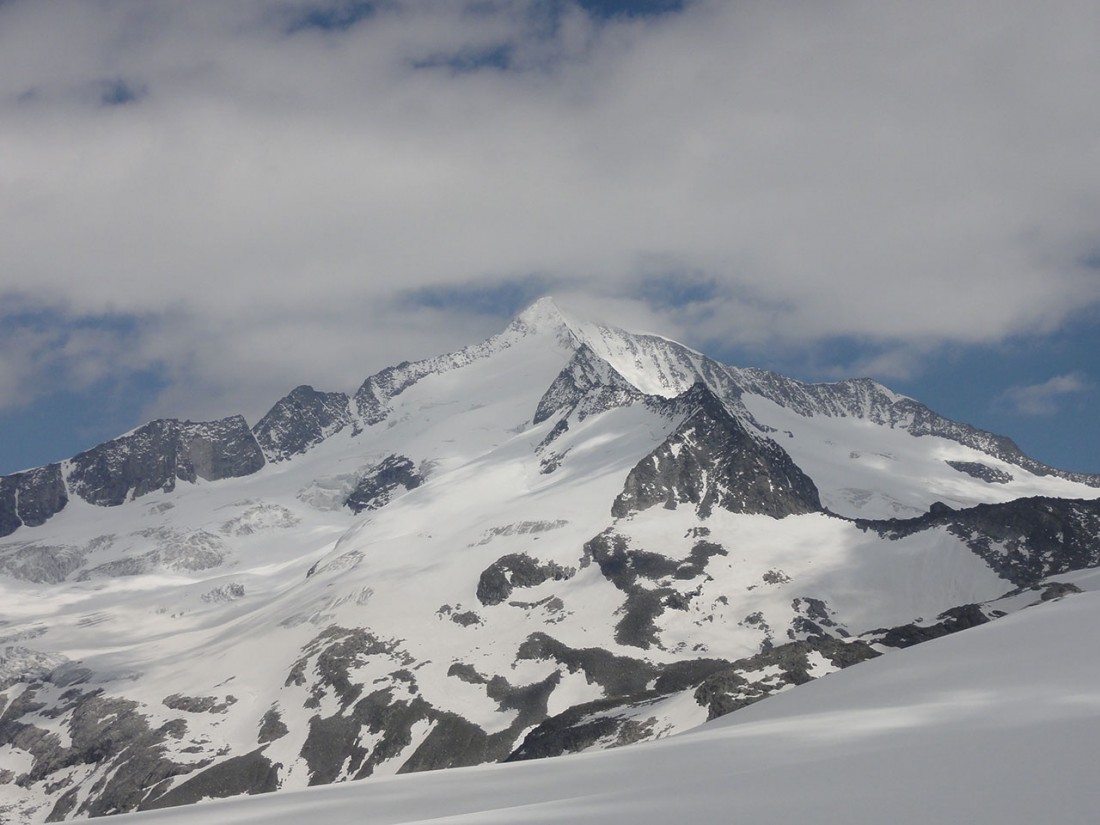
(239, 197)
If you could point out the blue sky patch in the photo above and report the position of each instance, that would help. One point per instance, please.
(339, 16)
(119, 92)
(630, 8)
(469, 60)
(62, 423)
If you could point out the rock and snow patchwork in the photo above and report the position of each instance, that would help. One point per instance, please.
(999, 724)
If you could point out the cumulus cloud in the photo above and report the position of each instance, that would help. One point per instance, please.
(280, 191)
(1048, 397)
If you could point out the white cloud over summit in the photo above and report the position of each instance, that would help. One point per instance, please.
(271, 198)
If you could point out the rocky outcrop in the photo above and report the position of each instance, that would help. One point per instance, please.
(749, 680)
(950, 621)
(499, 579)
(373, 726)
(651, 581)
(31, 497)
(983, 472)
(711, 461)
(604, 723)
(110, 745)
(156, 455)
(249, 773)
(301, 420)
(586, 385)
(1023, 541)
(718, 687)
(378, 486)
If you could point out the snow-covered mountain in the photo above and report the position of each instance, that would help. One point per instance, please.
(567, 537)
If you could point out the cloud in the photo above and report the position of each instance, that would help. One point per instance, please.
(1048, 397)
(41, 354)
(261, 185)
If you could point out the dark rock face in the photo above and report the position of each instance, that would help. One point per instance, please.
(712, 461)
(333, 742)
(373, 727)
(950, 621)
(498, 580)
(250, 773)
(721, 687)
(378, 487)
(1023, 541)
(617, 675)
(300, 420)
(199, 704)
(31, 497)
(154, 456)
(272, 727)
(612, 722)
(627, 567)
(981, 471)
(813, 621)
(586, 385)
(738, 687)
(373, 395)
(455, 742)
(108, 734)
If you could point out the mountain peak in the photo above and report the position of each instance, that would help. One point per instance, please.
(544, 314)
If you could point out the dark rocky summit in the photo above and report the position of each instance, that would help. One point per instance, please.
(156, 455)
(151, 458)
(300, 420)
(711, 461)
(31, 497)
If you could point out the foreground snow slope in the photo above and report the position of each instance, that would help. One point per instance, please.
(999, 724)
